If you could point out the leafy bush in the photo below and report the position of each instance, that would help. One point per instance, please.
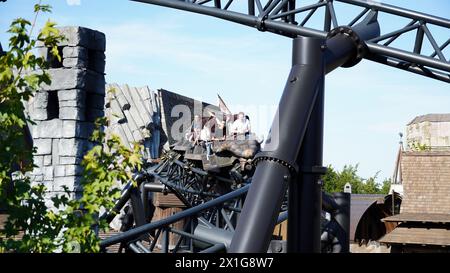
(334, 181)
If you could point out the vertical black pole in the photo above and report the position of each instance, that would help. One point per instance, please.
(251, 7)
(291, 6)
(305, 192)
(312, 58)
(137, 206)
(342, 217)
(277, 161)
(145, 202)
(327, 20)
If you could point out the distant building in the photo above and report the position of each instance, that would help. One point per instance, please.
(431, 130)
(424, 173)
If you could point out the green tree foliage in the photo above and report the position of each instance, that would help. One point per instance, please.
(107, 165)
(416, 146)
(24, 204)
(31, 226)
(334, 181)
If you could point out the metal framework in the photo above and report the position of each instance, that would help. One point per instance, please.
(283, 17)
(295, 163)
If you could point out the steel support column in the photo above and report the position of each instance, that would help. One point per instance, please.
(277, 162)
(305, 192)
(342, 217)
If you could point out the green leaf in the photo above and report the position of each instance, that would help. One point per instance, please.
(43, 8)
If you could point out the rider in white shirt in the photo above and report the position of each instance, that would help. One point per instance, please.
(241, 126)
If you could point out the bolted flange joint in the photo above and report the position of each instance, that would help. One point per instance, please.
(293, 169)
(360, 47)
(260, 25)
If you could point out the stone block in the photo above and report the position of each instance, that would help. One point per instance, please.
(48, 129)
(47, 184)
(71, 182)
(38, 114)
(70, 128)
(69, 160)
(96, 101)
(44, 146)
(64, 79)
(73, 170)
(95, 82)
(72, 113)
(71, 147)
(36, 171)
(48, 172)
(75, 52)
(55, 151)
(60, 171)
(93, 114)
(69, 95)
(47, 160)
(74, 62)
(37, 178)
(98, 63)
(77, 129)
(38, 160)
(71, 103)
(88, 146)
(80, 36)
(40, 99)
(87, 128)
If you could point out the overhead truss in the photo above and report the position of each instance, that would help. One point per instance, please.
(290, 18)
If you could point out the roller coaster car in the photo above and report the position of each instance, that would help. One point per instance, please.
(234, 152)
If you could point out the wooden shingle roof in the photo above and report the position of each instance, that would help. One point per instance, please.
(418, 236)
(426, 182)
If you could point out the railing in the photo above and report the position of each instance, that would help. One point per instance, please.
(162, 227)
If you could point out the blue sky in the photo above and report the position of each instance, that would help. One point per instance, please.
(366, 106)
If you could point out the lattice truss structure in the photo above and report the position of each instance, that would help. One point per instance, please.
(419, 44)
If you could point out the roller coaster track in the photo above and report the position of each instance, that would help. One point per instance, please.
(283, 17)
(295, 163)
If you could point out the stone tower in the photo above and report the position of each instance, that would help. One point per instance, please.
(65, 110)
(432, 130)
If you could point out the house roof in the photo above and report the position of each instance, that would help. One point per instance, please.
(360, 203)
(418, 236)
(426, 182)
(431, 118)
(419, 217)
(131, 112)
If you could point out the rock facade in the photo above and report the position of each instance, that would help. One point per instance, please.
(65, 110)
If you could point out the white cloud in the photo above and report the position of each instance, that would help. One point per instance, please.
(73, 2)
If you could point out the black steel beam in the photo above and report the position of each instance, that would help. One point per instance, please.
(312, 58)
(305, 192)
(134, 233)
(156, 187)
(292, 30)
(214, 249)
(342, 217)
(277, 161)
(419, 16)
(338, 229)
(300, 113)
(137, 206)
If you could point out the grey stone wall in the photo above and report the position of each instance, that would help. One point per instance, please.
(65, 110)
